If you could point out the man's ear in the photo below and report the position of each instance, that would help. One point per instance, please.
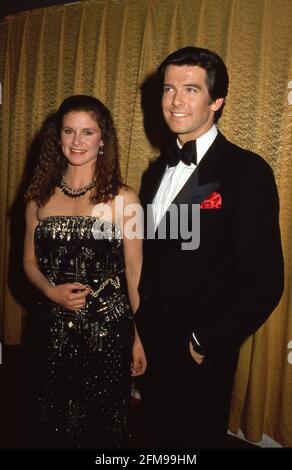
(215, 105)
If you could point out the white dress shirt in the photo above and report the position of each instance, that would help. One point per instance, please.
(175, 177)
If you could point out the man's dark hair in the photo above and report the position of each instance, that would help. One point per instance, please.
(216, 72)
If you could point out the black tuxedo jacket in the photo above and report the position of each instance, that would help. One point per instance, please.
(227, 287)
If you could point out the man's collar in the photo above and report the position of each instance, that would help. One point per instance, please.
(203, 142)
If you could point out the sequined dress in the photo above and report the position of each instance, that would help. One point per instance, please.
(84, 358)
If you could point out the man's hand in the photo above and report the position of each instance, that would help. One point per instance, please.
(197, 357)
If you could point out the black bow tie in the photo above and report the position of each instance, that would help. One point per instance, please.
(187, 154)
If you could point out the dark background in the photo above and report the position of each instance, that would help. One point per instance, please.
(9, 7)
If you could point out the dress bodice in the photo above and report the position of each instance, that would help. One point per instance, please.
(78, 249)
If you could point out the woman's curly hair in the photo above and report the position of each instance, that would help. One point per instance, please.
(52, 163)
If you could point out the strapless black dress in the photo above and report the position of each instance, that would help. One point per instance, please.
(83, 358)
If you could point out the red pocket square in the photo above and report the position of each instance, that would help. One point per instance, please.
(213, 201)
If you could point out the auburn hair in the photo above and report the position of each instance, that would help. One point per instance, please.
(52, 163)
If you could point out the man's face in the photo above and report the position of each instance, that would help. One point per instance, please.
(186, 104)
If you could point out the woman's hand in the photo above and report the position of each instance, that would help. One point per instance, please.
(71, 296)
(139, 363)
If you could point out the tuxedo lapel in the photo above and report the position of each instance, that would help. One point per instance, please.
(200, 184)
(212, 160)
(193, 192)
(150, 184)
(157, 176)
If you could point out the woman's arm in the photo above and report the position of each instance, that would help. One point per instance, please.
(132, 237)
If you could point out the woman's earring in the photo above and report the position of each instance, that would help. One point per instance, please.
(100, 151)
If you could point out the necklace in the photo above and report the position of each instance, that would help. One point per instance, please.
(75, 192)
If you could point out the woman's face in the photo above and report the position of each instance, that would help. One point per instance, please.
(80, 138)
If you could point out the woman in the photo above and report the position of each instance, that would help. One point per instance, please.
(87, 269)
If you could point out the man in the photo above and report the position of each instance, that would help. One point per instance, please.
(198, 305)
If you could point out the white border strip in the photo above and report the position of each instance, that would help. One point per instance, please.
(266, 441)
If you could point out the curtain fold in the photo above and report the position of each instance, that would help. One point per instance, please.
(110, 49)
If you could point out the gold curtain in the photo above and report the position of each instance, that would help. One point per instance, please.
(107, 48)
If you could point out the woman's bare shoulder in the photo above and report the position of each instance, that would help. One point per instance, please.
(129, 195)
